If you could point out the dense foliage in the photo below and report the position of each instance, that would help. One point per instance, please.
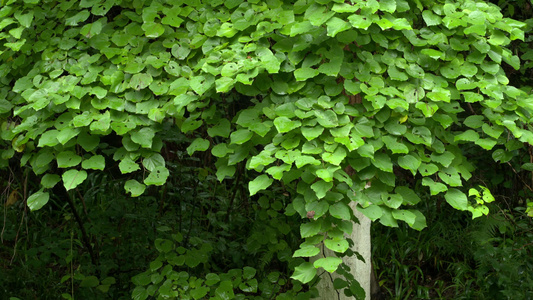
(323, 102)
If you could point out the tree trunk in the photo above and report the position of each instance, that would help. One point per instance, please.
(360, 270)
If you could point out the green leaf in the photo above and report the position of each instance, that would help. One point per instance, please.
(396, 74)
(152, 161)
(134, 187)
(49, 138)
(222, 129)
(469, 135)
(329, 264)
(307, 251)
(73, 178)
(430, 18)
(336, 25)
(340, 210)
(434, 187)
(338, 246)
(127, 165)
(37, 200)
(90, 281)
(95, 162)
(310, 229)
(304, 74)
(241, 136)
(408, 195)
(221, 150)
(373, 212)
(435, 54)
(78, 18)
(199, 292)
(141, 81)
(321, 188)
(445, 159)
(335, 158)
(327, 119)
(201, 84)
(409, 162)
(387, 5)
(153, 30)
(383, 162)
(284, 124)
(404, 215)
(225, 171)
(50, 180)
(158, 176)
(261, 182)
(198, 144)
(392, 200)
(474, 121)
(456, 199)
(359, 21)
(268, 60)
(305, 272)
(143, 137)
(311, 133)
(68, 159)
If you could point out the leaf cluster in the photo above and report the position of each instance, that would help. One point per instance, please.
(341, 97)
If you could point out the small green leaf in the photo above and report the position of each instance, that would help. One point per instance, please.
(305, 272)
(307, 251)
(198, 144)
(127, 165)
(221, 129)
(434, 187)
(311, 133)
(50, 180)
(409, 162)
(327, 119)
(241, 136)
(199, 292)
(68, 159)
(95, 162)
(158, 176)
(340, 210)
(383, 162)
(134, 187)
(73, 178)
(38, 200)
(404, 215)
(373, 212)
(456, 199)
(261, 182)
(329, 264)
(284, 124)
(338, 246)
(335, 158)
(90, 281)
(430, 18)
(152, 161)
(140, 81)
(153, 30)
(321, 187)
(310, 229)
(304, 74)
(143, 137)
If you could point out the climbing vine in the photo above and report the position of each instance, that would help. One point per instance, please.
(334, 99)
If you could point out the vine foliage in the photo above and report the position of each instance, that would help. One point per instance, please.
(335, 99)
